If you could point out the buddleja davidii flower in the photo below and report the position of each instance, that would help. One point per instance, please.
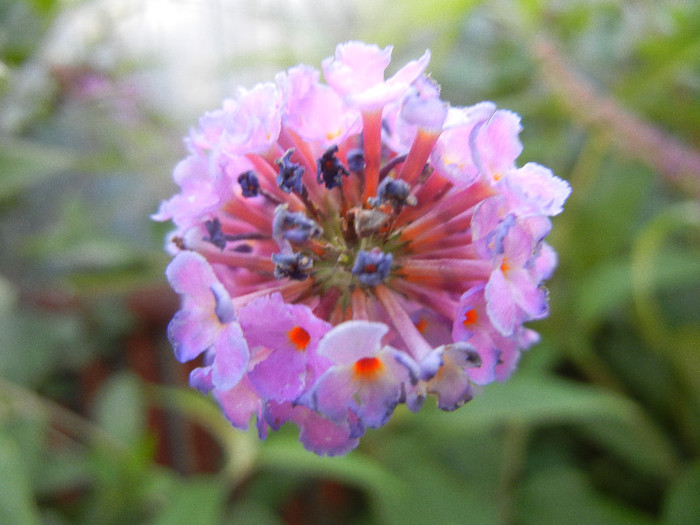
(248, 123)
(365, 379)
(206, 322)
(315, 112)
(387, 217)
(283, 366)
(254, 368)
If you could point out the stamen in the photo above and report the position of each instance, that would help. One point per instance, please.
(296, 266)
(396, 192)
(307, 158)
(290, 173)
(329, 170)
(267, 176)
(369, 222)
(250, 186)
(371, 268)
(356, 161)
(216, 236)
(219, 239)
(293, 226)
(415, 342)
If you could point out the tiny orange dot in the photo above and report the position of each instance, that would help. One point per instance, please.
(470, 317)
(421, 324)
(505, 266)
(367, 368)
(299, 337)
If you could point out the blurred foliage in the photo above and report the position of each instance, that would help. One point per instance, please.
(601, 424)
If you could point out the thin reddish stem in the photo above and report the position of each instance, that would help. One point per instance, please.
(450, 269)
(359, 304)
(418, 155)
(415, 342)
(372, 138)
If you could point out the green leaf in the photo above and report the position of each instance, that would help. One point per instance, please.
(442, 478)
(609, 285)
(120, 409)
(250, 513)
(26, 163)
(541, 401)
(17, 504)
(682, 505)
(194, 501)
(283, 454)
(563, 495)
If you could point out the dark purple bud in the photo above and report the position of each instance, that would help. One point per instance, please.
(289, 176)
(371, 268)
(329, 170)
(250, 187)
(293, 226)
(397, 192)
(216, 235)
(296, 265)
(356, 160)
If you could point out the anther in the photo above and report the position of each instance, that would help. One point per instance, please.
(356, 160)
(296, 266)
(219, 239)
(250, 186)
(371, 268)
(396, 192)
(329, 169)
(293, 226)
(216, 235)
(289, 176)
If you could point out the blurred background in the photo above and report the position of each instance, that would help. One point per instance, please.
(601, 423)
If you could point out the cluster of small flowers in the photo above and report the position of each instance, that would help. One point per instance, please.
(345, 247)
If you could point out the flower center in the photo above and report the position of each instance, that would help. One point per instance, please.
(367, 368)
(299, 337)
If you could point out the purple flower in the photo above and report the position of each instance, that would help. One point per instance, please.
(364, 377)
(207, 321)
(342, 248)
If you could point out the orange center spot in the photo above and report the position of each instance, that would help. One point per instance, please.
(470, 317)
(421, 324)
(299, 337)
(505, 266)
(367, 368)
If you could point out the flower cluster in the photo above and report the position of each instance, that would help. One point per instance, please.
(341, 248)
